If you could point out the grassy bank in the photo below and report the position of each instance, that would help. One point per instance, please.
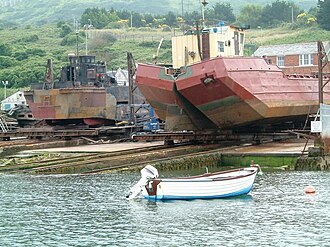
(286, 35)
(24, 51)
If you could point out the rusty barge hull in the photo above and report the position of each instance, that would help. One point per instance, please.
(91, 106)
(158, 84)
(232, 92)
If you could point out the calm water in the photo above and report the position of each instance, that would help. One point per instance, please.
(92, 211)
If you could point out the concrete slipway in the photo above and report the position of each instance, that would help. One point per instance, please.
(289, 147)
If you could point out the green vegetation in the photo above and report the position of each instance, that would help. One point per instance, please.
(24, 51)
(268, 162)
(253, 15)
(323, 14)
(36, 12)
(286, 35)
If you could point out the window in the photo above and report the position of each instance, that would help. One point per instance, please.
(280, 61)
(221, 47)
(306, 59)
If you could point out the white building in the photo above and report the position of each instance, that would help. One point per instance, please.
(122, 77)
(13, 100)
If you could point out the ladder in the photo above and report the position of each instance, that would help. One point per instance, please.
(3, 125)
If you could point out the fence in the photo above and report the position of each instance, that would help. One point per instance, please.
(141, 38)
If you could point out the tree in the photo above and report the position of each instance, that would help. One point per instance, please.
(278, 12)
(323, 17)
(221, 11)
(192, 17)
(170, 19)
(149, 18)
(137, 20)
(250, 15)
(124, 14)
(65, 30)
(99, 18)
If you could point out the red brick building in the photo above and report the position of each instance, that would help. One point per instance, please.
(293, 58)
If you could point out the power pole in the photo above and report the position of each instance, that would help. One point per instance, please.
(322, 63)
(131, 72)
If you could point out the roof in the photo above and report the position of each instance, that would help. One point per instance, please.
(116, 73)
(287, 49)
(15, 97)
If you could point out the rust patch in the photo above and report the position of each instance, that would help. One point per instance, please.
(326, 145)
(93, 99)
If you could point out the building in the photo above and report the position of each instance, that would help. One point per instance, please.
(193, 46)
(120, 77)
(12, 101)
(293, 58)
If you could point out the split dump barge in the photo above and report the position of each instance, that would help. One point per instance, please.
(229, 93)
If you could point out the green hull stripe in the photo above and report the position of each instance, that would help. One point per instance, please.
(188, 73)
(164, 76)
(232, 100)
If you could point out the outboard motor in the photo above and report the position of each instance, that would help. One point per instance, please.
(147, 173)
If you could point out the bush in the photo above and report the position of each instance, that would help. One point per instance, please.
(99, 40)
(5, 50)
(71, 39)
(150, 44)
(29, 39)
(166, 28)
(65, 30)
(21, 55)
(117, 25)
(60, 24)
(6, 62)
(167, 44)
(146, 29)
(36, 52)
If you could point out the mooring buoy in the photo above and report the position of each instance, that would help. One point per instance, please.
(310, 189)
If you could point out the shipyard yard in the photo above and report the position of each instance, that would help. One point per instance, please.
(96, 156)
(39, 158)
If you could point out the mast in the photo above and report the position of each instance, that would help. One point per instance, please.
(204, 3)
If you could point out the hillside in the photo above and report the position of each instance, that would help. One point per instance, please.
(22, 12)
(24, 51)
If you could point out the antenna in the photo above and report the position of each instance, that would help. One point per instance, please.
(76, 28)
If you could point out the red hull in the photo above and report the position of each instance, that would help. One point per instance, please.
(153, 81)
(238, 91)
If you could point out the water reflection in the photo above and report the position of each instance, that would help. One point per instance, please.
(93, 211)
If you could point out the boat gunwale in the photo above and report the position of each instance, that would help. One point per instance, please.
(205, 177)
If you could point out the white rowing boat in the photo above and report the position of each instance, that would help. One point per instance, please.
(206, 186)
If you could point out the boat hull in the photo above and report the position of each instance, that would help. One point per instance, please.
(236, 92)
(226, 184)
(75, 105)
(247, 90)
(158, 85)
